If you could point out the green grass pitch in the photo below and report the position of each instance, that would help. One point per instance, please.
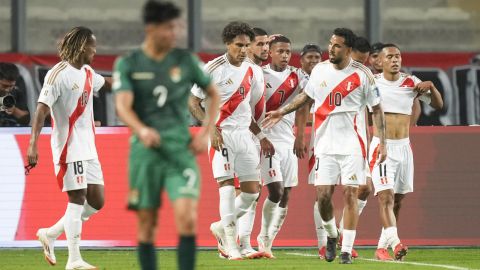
(302, 259)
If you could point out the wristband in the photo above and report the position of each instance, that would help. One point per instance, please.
(260, 136)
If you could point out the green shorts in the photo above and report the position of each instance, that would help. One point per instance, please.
(151, 170)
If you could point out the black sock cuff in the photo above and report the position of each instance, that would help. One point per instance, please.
(187, 238)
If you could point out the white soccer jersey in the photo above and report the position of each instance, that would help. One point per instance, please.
(282, 87)
(69, 92)
(398, 96)
(257, 102)
(235, 85)
(340, 96)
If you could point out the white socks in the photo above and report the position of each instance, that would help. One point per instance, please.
(73, 230)
(227, 205)
(58, 228)
(243, 202)
(330, 227)
(361, 205)
(245, 225)
(277, 222)
(321, 233)
(348, 239)
(391, 236)
(267, 216)
(382, 242)
(88, 211)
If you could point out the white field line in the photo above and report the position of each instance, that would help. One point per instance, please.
(399, 262)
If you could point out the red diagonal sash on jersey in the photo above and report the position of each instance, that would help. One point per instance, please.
(408, 83)
(283, 92)
(81, 105)
(231, 104)
(351, 82)
(311, 162)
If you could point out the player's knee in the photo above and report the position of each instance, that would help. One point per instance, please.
(77, 196)
(364, 191)
(285, 197)
(187, 223)
(323, 195)
(97, 203)
(275, 192)
(385, 199)
(350, 195)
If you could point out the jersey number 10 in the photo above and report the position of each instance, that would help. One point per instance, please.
(335, 99)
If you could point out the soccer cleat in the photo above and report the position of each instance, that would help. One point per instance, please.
(80, 265)
(48, 246)
(265, 246)
(400, 251)
(250, 253)
(331, 249)
(354, 253)
(381, 254)
(217, 230)
(234, 254)
(321, 253)
(345, 258)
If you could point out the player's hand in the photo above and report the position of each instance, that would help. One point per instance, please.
(9, 111)
(382, 153)
(299, 147)
(423, 87)
(149, 137)
(32, 155)
(272, 37)
(217, 139)
(199, 142)
(266, 147)
(271, 118)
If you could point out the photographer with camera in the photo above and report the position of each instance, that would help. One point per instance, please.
(13, 104)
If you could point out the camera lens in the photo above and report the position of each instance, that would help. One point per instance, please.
(7, 101)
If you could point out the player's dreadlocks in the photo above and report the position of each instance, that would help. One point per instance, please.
(73, 44)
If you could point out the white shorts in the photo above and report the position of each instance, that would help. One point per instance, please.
(239, 157)
(282, 166)
(79, 174)
(397, 171)
(348, 170)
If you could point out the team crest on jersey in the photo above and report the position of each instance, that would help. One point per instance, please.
(175, 74)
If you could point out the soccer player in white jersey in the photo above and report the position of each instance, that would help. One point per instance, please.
(310, 56)
(257, 53)
(393, 178)
(279, 171)
(341, 88)
(67, 94)
(233, 151)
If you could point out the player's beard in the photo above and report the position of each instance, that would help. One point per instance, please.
(335, 60)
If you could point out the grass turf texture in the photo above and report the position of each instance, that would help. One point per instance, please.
(303, 259)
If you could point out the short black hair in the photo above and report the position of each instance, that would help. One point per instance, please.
(278, 39)
(159, 12)
(259, 31)
(310, 48)
(362, 45)
(376, 47)
(347, 34)
(387, 45)
(234, 29)
(8, 71)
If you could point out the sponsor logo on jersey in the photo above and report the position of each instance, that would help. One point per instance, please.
(75, 87)
(269, 85)
(353, 178)
(175, 74)
(143, 75)
(323, 84)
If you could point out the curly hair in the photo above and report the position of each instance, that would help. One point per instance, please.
(347, 34)
(234, 29)
(73, 44)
